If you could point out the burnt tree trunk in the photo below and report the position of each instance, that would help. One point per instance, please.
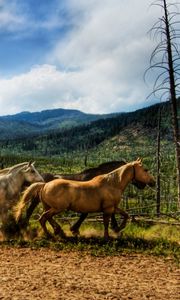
(158, 182)
(173, 97)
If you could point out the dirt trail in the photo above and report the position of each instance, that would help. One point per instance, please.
(45, 274)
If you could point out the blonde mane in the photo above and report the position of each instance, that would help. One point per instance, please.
(115, 176)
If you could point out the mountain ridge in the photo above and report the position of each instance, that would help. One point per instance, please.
(30, 123)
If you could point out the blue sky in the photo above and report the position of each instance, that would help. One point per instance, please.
(30, 30)
(88, 55)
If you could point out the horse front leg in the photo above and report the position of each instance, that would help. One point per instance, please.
(75, 228)
(106, 218)
(114, 223)
(124, 222)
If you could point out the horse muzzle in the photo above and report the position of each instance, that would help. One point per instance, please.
(140, 185)
(152, 183)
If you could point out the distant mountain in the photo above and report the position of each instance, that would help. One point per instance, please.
(27, 123)
(47, 117)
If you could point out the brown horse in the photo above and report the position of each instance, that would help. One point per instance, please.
(84, 175)
(87, 174)
(100, 194)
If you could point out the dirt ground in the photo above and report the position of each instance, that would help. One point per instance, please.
(46, 274)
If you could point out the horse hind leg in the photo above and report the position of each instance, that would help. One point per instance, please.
(57, 228)
(25, 221)
(47, 216)
(42, 221)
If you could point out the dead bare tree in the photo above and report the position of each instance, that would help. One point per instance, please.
(165, 59)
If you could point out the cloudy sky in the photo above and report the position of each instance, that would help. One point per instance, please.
(83, 54)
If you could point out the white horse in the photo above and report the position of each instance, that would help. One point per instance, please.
(11, 184)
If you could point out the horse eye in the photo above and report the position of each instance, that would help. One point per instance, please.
(146, 170)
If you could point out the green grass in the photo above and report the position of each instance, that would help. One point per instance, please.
(161, 240)
(144, 230)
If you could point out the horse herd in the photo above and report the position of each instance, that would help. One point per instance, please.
(93, 190)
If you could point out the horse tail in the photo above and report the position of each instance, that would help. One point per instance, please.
(31, 195)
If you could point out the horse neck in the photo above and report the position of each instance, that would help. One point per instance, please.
(121, 177)
(17, 179)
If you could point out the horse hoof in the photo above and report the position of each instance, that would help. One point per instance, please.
(116, 229)
(75, 232)
(63, 235)
(49, 236)
(106, 238)
(59, 232)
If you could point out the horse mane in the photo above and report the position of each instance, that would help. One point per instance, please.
(4, 171)
(116, 174)
(13, 168)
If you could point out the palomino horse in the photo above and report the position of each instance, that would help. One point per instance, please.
(100, 194)
(11, 182)
(90, 173)
(84, 175)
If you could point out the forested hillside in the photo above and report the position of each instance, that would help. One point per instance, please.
(88, 136)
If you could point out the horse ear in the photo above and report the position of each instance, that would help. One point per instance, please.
(31, 163)
(139, 160)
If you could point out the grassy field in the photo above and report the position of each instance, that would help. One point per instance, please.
(137, 237)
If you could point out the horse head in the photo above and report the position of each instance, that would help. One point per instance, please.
(141, 176)
(31, 174)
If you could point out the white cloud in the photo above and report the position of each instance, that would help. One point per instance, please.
(34, 90)
(109, 51)
(46, 87)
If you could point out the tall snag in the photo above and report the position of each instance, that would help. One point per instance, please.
(166, 60)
